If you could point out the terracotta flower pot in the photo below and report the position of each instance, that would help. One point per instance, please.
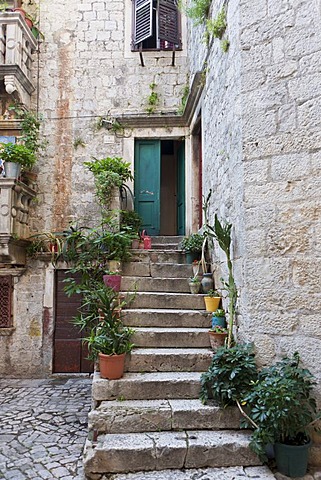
(217, 339)
(111, 366)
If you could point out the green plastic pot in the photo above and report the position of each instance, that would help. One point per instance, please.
(292, 460)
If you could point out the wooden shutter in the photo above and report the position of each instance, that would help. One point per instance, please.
(143, 20)
(168, 21)
(5, 301)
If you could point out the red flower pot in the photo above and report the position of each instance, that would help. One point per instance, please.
(111, 366)
(112, 281)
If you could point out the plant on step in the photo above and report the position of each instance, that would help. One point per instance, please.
(230, 376)
(221, 232)
(109, 338)
(131, 220)
(280, 405)
(109, 173)
(193, 243)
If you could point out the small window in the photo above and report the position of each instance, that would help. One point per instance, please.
(5, 302)
(156, 25)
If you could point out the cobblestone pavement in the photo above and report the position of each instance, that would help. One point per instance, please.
(43, 426)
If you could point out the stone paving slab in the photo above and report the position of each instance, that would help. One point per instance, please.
(43, 428)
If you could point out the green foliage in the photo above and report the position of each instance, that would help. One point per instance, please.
(193, 243)
(220, 312)
(218, 329)
(225, 45)
(79, 142)
(213, 293)
(131, 220)
(109, 173)
(30, 129)
(110, 338)
(197, 11)
(153, 98)
(281, 404)
(185, 93)
(230, 375)
(12, 152)
(217, 26)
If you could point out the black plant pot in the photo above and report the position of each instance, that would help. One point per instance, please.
(292, 460)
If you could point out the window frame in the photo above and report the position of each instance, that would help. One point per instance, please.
(171, 47)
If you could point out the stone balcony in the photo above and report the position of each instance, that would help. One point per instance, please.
(17, 45)
(15, 198)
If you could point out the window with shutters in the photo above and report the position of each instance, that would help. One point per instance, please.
(5, 302)
(156, 25)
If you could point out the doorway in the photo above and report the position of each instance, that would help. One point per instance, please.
(160, 186)
(70, 353)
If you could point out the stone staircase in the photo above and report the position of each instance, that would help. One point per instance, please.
(151, 419)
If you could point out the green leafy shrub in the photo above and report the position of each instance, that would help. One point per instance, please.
(12, 152)
(193, 243)
(281, 405)
(230, 375)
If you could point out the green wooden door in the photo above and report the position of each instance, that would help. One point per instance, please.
(147, 184)
(181, 190)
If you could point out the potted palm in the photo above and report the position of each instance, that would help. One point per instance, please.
(192, 246)
(109, 342)
(282, 409)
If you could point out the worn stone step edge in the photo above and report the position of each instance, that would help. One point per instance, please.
(223, 473)
(157, 270)
(171, 337)
(155, 415)
(167, 317)
(116, 453)
(153, 284)
(147, 386)
(168, 360)
(186, 301)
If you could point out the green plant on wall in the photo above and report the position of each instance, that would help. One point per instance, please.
(185, 93)
(153, 98)
(225, 44)
(217, 26)
(196, 10)
(30, 128)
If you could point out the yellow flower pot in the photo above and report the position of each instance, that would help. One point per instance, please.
(212, 303)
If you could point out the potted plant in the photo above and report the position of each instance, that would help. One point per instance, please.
(113, 280)
(219, 318)
(212, 300)
(16, 156)
(132, 222)
(194, 285)
(218, 336)
(109, 342)
(282, 409)
(207, 282)
(192, 246)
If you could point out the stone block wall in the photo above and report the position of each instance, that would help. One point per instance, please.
(261, 148)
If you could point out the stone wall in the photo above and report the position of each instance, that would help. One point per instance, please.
(261, 122)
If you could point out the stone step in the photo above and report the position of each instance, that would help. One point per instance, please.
(159, 337)
(168, 360)
(158, 256)
(148, 451)
(147, 386)
(149, 284)
(161, 239)
(185, 301)
(223, 473)
(132, 416)
(167, 318)
(157, 270)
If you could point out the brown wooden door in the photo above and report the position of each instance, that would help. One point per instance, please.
(69, 352)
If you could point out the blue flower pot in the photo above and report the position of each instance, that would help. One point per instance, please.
(292, 460)
(219, 322)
